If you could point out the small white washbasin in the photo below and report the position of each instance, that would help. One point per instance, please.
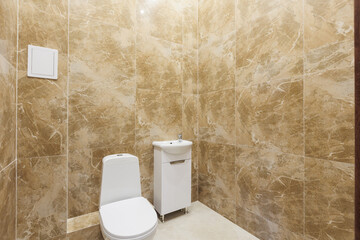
(173, 147)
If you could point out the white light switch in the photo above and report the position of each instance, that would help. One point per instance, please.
(42, 62)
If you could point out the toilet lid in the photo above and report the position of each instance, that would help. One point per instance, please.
(128, 218)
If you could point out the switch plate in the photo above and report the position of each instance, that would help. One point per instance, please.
(42, 62)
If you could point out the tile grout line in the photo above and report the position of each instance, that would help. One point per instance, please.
(16, 112)
(135, 73)
(182, 76)
(45, 156)
(264, 148)
(67, 115)
(16, 76)
(303, 111)
(198, 96)
(235, 108)
(134, 30)
(16, 199)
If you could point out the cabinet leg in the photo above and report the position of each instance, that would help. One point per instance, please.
(186, 210)
(162, 218)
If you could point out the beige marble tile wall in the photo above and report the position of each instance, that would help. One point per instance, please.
(275, 108)
(132, 80)
(8, 43)
(127, 76)
(42, 124)
(276, 128)
(217, 52)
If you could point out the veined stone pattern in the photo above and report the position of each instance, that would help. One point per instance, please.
(127, 76)
(8, 48)
(264, 89)
(276, 116)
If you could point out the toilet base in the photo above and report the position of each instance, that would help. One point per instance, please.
(148, 236)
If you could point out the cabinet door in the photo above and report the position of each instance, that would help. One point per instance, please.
(176, 182)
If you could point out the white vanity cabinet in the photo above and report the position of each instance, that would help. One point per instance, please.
(172, 176)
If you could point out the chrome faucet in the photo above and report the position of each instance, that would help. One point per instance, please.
(180, 137)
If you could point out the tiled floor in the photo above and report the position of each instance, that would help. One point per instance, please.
(201, 223)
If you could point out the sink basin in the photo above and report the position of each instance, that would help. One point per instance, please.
(173, 147)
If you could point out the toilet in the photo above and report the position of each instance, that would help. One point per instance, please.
(124, 213)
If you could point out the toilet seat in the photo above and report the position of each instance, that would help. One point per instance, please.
(128, 219)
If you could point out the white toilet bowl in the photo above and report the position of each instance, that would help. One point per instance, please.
(124, 214)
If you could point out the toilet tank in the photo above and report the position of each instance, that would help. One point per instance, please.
(120, 178)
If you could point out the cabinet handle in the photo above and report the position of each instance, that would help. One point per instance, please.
(177, 162)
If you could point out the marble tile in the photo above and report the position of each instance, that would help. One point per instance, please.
(118, 13)
(161, 19)
(216, 17)
(194, 171)
(41, 197)
(42, 116)
(262, 228)
(194, 163)
(217, 177)
(334, 56)
(201, 223)
(190, 71)
(45, 24)
(270, 114)
(158, 64)
(147, 188)
(8, 50)
(194, 193)
(83, 222)
(329, 199)
(84, 182)
(8, 26)
(102, 59)
(327, 22)
(190, 24)
(189, 117)
(329, 115)
(272, 48)
(217, 63)
(271, 185)
(158, 116)
(93, 118)
(220, 162)
(217, 118)
(93, 233)
(42, 103)
(102, 49)
(152, 125)
(225, 207)
(207, 196)
(145, 153)
(248, 10)
(85, 171)
(7, 112)
(8, 202)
